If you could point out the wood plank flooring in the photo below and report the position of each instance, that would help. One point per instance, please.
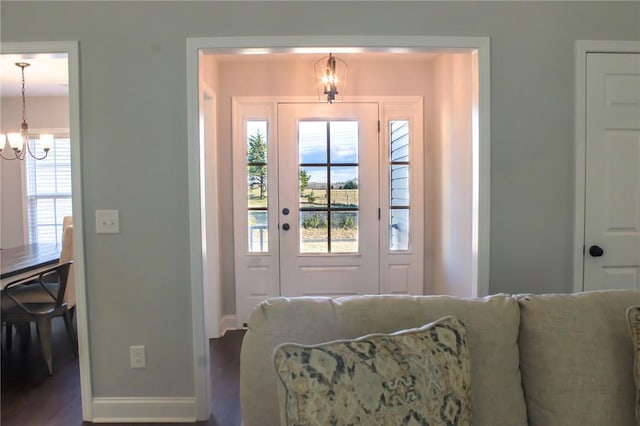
(30, 397)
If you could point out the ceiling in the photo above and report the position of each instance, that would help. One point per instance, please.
(47, 75)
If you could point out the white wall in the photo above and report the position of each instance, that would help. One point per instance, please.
(452, 170)
(134, 127)
(44, 114)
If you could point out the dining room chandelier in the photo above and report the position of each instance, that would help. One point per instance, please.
(331, 79)
(19, 142)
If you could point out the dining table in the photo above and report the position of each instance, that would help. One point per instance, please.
(22, 261)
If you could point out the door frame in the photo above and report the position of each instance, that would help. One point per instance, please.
(479, 46)
(71, 48)
(582, 48)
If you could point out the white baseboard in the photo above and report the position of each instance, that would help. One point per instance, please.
(228, 322)
(144, 410)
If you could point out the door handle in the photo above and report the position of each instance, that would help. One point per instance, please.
(285, 226)
(596, 251)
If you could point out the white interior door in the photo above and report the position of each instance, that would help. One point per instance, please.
(612, 199)
(328, 198)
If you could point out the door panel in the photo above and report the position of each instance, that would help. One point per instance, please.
(612, 199)
(255, 200)
(328, 184)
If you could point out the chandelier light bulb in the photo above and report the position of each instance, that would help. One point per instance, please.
(47, 141)
(15, 141)
(328, 83)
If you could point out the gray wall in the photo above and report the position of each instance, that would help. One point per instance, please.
(133, 124)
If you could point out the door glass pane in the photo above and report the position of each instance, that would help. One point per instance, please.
(257, 194)
(344, 186)
(344, 232)
(312, 142)
(399, 168)
(399, 229)
(399, 185)
(399, 140)
(344, 142)
(257, 186)
(313, 232)
(313, 187)
(328, 189)
(258, 232)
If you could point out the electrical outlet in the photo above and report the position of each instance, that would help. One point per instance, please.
(138, 357)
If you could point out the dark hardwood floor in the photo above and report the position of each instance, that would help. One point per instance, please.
(30, 397)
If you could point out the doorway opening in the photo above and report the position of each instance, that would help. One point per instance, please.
(452, 76)
(67, 52)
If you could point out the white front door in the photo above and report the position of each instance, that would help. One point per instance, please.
(328, 198)
(612, 198)
(324, 202)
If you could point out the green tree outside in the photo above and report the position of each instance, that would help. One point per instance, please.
(303, 178)
(257, 153)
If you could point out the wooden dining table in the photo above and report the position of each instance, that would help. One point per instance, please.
(22, 261)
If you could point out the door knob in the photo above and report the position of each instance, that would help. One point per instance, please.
(285, 226)
(596, 251)
(285, 211)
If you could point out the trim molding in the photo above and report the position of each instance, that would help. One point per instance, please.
(195, 155)
(144, 410)
(71, 48)
(282, 44)
(583, 47)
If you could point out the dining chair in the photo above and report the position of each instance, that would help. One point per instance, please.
(66, 221)
(66, 254)
(39, 298)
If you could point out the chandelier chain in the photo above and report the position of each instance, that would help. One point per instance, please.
(20, 150)
(24, 103)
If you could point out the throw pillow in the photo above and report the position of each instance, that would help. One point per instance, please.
(633, 318)
(418, 376)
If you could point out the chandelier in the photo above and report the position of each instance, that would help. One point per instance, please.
(331, 79)
(19, 142)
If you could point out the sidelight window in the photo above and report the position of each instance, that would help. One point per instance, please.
(257, 191)
(399, 185)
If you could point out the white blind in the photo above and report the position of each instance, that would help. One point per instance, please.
(48, 190)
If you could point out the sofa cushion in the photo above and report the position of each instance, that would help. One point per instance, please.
(420, 375)
(492, 334)
(576, 358)
(633, 319)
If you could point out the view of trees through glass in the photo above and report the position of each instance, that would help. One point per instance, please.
(328, 179)
(328, 186)
(257, 195)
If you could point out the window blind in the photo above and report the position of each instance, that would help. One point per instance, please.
(48, 192)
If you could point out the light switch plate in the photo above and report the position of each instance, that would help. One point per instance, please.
(107, 222)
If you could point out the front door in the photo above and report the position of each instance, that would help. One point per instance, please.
(328, 198)
(612, 199)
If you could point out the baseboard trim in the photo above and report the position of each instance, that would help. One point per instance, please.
(228, 322)
(144, 410)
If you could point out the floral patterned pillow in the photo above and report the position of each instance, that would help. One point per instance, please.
(633, 318)
(412, 377)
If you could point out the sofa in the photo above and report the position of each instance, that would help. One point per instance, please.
(541, 360)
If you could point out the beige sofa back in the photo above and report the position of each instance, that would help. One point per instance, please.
(492, 332)
(576, 358)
